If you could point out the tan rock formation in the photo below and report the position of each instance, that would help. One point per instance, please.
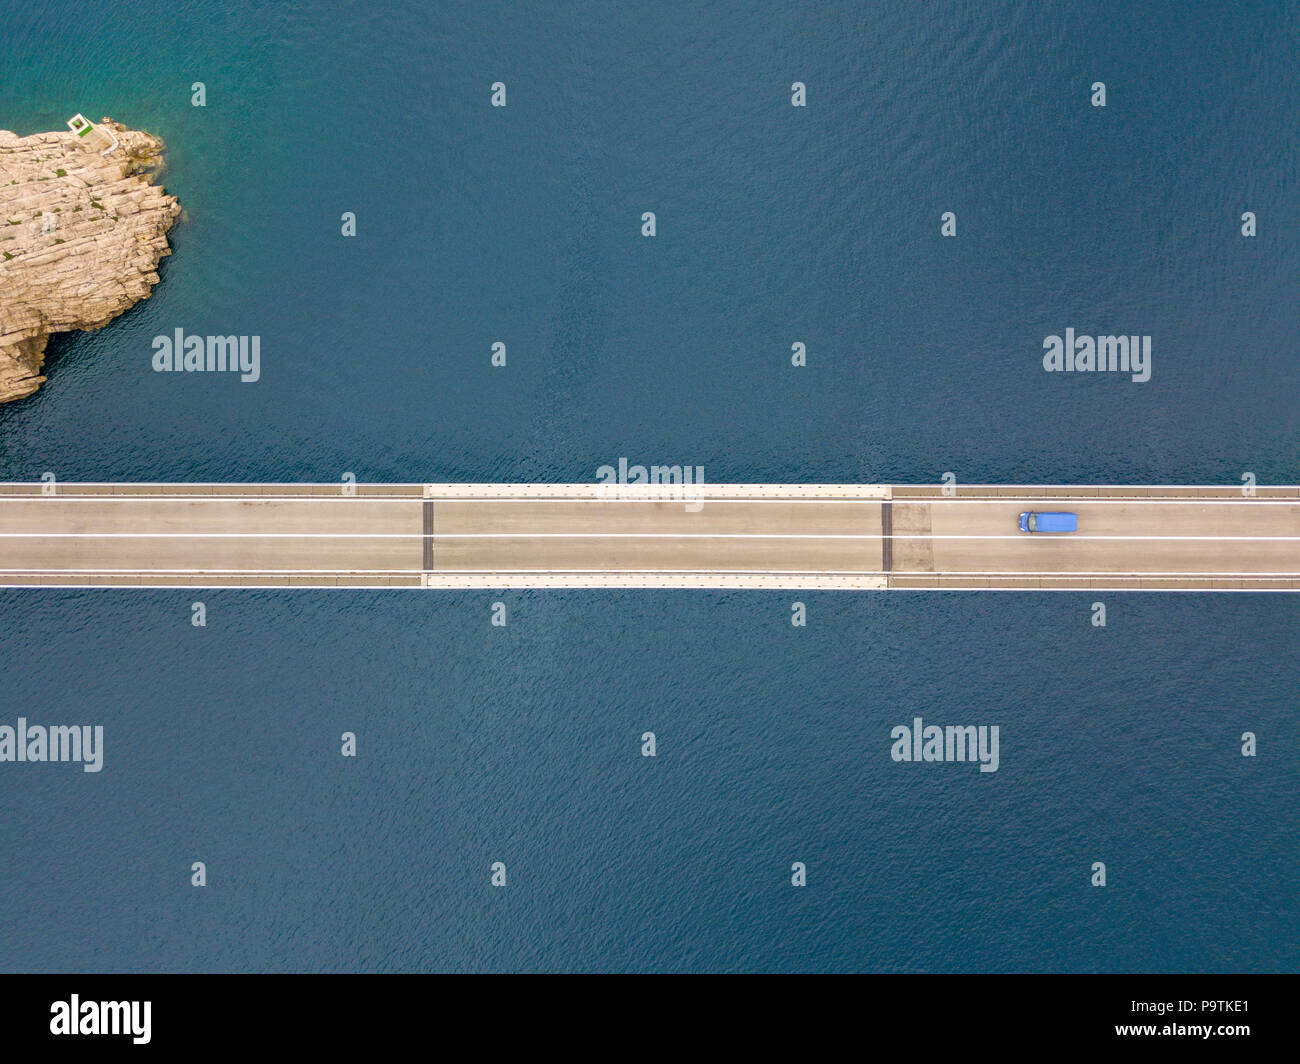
(81, 234)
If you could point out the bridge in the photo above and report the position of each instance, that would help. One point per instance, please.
(791, 536)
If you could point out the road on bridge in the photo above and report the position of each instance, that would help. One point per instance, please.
(539, 535)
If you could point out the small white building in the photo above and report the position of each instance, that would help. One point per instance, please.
(94, 137)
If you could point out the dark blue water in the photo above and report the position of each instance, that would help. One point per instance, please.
(775, 225)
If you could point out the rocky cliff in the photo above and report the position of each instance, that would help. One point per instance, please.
(81, 234)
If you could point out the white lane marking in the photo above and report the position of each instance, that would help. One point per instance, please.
(868, 501)
(562, 484)
(1019, 537)
(667, 500)
(1022, 537)
(528, 584)
(211, 535)
(451, 572)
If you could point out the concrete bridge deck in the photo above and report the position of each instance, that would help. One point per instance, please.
(808, 536)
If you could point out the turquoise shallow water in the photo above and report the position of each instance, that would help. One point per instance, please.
(775, 225)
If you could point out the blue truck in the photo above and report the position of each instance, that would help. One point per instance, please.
(1049, 521)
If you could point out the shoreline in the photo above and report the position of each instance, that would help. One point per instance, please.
(83, 245)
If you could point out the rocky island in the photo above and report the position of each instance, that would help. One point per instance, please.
(82, 229)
